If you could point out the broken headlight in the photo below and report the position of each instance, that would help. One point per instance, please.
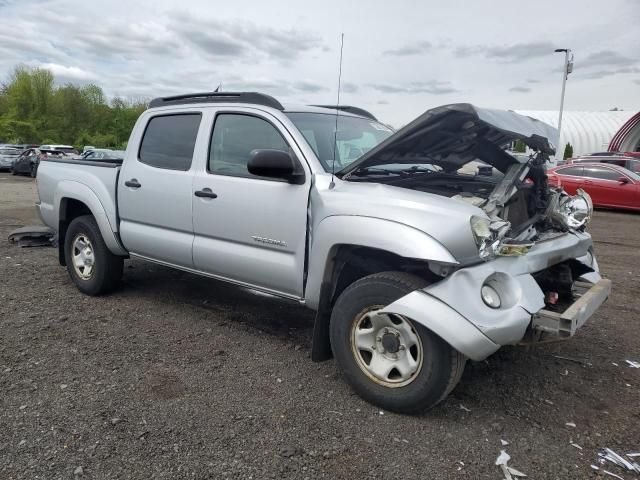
(572, 212)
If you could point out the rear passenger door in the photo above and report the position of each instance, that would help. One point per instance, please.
(254, 230)
(154, 188)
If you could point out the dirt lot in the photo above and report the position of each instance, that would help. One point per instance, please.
(176, 376)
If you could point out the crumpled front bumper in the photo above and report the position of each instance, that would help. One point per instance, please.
(453, 308)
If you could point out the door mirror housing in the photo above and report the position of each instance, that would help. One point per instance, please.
(623, 180)
(275, 164)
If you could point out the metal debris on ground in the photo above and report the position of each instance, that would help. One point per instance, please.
(633, 364)
(575, 360)
(34, 236)
(509, 472)
(609, 455)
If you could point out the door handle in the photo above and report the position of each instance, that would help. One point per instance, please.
(133, 183)
(205, 193)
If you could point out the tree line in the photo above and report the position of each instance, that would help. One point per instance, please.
(34, 108)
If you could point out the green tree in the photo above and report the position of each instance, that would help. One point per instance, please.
(568, 151)
(36, 109)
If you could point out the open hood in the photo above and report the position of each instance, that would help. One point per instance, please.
(453, 135)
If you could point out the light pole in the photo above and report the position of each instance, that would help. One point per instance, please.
(568, 68)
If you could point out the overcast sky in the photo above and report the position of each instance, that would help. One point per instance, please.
(400, 57)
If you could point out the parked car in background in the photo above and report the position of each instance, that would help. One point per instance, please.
(8, 155)
(609, 185)
(68, 149)
(28, 161)
(102, 154)
(629, 163)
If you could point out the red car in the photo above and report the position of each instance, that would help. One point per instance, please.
(609, 185)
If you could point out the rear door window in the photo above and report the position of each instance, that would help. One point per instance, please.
(169, 141)
(573, 171)
(601, 173)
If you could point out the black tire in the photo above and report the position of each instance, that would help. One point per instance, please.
(442, 365)
(107, 267)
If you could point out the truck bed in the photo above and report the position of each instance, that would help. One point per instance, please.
(62, 178)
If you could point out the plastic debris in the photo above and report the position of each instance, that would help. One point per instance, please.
(575, 445)
(462, 407)
(633, 364)
(609, 455)
(34, 236)
(509, 472)
(504, 443)
(570, 424)
(615, 364)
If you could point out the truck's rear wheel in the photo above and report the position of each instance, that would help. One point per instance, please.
(390, 360)
(91, 266)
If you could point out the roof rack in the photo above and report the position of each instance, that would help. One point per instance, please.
(348, 108)
(215, 97)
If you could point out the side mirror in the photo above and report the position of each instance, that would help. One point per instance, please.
(275, 164)
(623, 180)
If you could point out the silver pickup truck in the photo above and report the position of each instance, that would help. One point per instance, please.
(413, 264)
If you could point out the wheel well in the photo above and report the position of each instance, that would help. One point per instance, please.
(70, 208)
(348, 264)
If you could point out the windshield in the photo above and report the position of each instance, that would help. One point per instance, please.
(355, 136)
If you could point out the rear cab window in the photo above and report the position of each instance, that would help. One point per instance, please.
(169, 140)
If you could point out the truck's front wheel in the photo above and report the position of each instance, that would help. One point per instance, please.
(91, 266)
(390, 360)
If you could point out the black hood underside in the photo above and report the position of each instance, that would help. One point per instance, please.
(452, 135)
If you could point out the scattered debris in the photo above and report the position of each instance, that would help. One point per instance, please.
(575, 360)
(462, 407)
(575, 445)
(509, 472)
(633, 364)
(566, 372)
(34, 236)
(615, 364)
(381, 412)
(609, 455)
(504, 443)
(79, 471)
(633, 455)
(288, 452)
(606, 472)
(570, 424)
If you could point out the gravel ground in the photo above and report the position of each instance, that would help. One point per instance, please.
(176, 376)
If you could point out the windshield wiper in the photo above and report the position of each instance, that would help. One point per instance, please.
(393, 171)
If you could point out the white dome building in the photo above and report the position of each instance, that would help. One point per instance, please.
(590, 132)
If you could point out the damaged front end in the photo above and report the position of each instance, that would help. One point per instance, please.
(532, 273)
(524, 209)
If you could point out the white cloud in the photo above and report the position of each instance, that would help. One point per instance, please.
(68, 73)
(399, 60)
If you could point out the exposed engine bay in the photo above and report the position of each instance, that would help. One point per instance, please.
(431, 154)
(522, 208)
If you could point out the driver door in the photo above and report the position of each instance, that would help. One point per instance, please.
(249, 229)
